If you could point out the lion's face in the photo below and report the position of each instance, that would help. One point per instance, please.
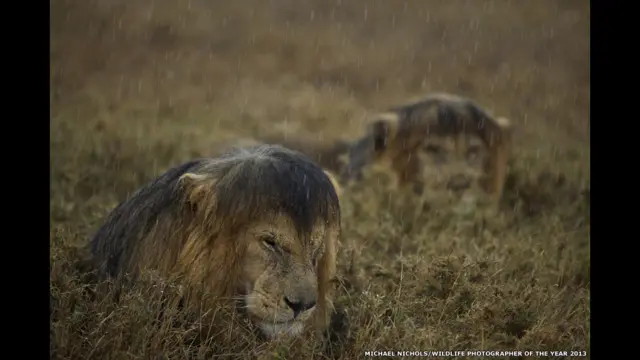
(280, 275)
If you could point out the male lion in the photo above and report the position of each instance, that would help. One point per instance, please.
(394, 138)
(260, 223)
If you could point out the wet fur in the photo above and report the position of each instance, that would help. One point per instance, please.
(184, 224)
(332, 156)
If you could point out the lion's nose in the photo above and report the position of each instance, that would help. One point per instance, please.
(299, 306)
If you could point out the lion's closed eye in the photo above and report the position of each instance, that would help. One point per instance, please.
(269, 241)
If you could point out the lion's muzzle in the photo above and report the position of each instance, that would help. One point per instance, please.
(300, 304)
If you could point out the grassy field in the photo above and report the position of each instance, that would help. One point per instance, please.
(141, 85)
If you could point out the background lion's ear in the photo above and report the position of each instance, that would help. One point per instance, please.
(335, 183)
(196, 187)
(382, 129)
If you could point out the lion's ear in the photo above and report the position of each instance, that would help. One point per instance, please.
(382, 130)
(196, 187)
(335, 183)
(503, 122)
